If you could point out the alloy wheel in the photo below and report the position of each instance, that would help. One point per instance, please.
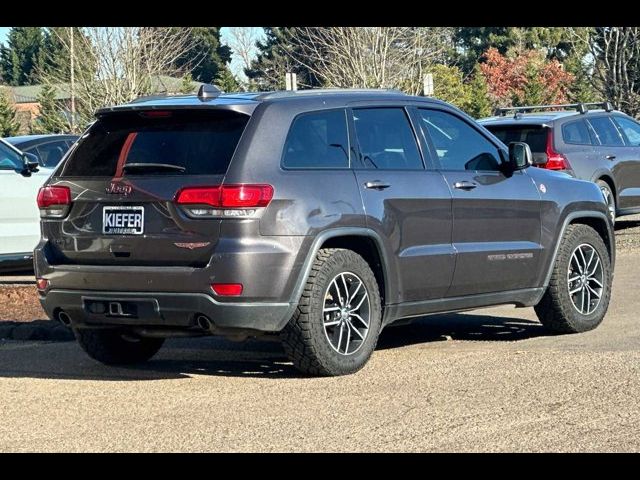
(585, 279)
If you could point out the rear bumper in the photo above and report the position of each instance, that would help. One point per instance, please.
(162, 309)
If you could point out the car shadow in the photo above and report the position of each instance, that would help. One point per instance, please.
(626, 224)
(258, 358)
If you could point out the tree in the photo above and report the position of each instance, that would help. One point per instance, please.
(9, 125)
(207, 57)
(478, 105)
(243, 45)
(226, 81)
(524, 78)
(51, 118)
(22, 56)
(370, 57)
(119, 64)
(278, 54)
(448, 85)
(187, 85)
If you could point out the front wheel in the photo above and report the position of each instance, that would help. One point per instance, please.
(578, 294)
(335, 328)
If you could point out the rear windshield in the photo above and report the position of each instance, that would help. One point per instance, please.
(169, 143)
(534, 136)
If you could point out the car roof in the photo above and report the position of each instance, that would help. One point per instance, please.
(246, 102)
(536, 118)
(29, 139)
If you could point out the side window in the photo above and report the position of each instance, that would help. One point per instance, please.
(576, 133)
(606, 131)
(9, 160)
(386, 139)
(630, 129)
(317, 140)
(459, 146)
(51, 153)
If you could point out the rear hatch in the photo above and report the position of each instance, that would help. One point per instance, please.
(124, 176)
(533, 135)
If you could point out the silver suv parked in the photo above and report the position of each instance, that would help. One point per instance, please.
(602, 146)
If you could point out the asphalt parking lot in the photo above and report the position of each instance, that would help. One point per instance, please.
(488, 380)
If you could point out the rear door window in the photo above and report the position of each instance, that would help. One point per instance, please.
(630, 129)
(171, 142)
(606, 132)
(317, 140)
(576, 133)
(386, 139)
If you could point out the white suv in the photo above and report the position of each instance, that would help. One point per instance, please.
(20, 179)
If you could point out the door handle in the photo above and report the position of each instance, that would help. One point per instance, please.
(610, 157)
(465, 185)
(377, 185)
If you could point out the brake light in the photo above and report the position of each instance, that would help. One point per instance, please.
(155, 114)
(555, 160)
(42, 284)
(225, 200)
(48, 196)
(227, 289)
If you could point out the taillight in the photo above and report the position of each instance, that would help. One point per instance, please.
(227, 289)
(54, 201)
(555, 160)
(225, 200)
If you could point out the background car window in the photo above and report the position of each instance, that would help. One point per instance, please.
(630, 129)
(386, 139)
(576, 133)
(606, 131)
(9, 159)
(51, 153)
(459, 146)
(318, 140)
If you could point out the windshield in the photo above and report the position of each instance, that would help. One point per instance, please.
(158, 143)
(9, 158)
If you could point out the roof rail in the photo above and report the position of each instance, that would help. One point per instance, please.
(578, 107)
(319, 91)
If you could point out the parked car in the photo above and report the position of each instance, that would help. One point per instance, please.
(49, 149)
(321, 216)
(602, 146)
(20, 178)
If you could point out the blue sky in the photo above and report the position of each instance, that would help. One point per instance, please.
(235, 62)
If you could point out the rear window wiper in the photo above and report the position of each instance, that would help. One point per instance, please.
(153, 166)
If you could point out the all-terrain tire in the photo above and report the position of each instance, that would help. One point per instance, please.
(609, 197)
(304, 338)
(556, 311)
(111, 347)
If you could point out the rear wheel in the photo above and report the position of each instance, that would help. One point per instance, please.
(609, 197)
(578, 294)
(336, 325)
(115, 347)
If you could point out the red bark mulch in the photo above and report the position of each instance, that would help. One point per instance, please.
(20, 304)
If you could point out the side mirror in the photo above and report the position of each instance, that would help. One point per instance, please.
(520, 156)
(30, 162)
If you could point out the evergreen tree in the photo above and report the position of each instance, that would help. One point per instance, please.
(22, 56)
(51, 118)
(479, 105)
(56, 52)
(208, 58)
(9, 125)
(226, 81)
(187, 85)
(448, 85)
(533, 92)
(276, 56)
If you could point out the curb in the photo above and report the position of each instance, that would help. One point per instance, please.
(44, 330)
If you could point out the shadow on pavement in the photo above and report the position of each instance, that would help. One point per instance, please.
(182, 358)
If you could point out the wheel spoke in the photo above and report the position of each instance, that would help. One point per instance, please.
(330, 309)
(356, 308)
(595, 280)
(571, 280)
(340, 337)
(355, 315)
(584, 260)
(574, 257)
(355, 330)
(334, 284)
(331, 323)
(595, 267)
(593, 252)
(595, 294)
(586, 290)
(582, 297)
(346, 290)
(353, 295)
(346, 347)
(575, 290)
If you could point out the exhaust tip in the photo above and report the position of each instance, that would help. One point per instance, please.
(64, 318)
(204, 322)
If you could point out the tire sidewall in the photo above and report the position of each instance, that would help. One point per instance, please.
(341, 262)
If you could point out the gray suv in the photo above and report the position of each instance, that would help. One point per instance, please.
(319, 216)
(602, 146)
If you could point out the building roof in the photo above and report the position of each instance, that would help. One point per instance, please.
(160, 84)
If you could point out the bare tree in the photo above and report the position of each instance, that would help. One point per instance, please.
(242, 41)
(371, 57)
(614, 62)
(119, 64)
